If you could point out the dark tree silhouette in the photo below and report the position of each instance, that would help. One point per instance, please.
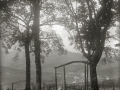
(88, 25)
(15, 33)
(18, 26)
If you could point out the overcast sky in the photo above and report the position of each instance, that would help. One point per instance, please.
(63, 33)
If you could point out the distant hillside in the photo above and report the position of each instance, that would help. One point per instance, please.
(14, 70)
(50, 62)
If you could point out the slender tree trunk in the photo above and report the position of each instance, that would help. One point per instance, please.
(93, 75)
(37, 44)
(27, 87)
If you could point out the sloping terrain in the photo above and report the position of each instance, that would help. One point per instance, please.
(14, 70)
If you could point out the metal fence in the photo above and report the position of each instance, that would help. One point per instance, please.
(13, 86)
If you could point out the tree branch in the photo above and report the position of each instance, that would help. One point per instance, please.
(14, 16)
(16, 29)
(93, 9)
(91, 23)
(73, 14)
(73, 8)
(80, 40)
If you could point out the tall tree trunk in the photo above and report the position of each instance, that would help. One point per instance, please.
(36, 31)
(93, 75)
(27, 87)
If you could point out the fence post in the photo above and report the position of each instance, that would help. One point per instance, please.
(89, 88)
(47, 87)
(103, 86)
(43, 86)
(113, 87)
(85, 76)
(81, 87)
(64, 79)
(12, 86)
(56, 77)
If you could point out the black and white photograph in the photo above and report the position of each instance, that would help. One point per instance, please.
(59, 44)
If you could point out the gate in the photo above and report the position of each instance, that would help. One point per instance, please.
(85, 71)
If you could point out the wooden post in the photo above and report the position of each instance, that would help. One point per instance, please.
(43, 86)
(12, 86)
(113, 86)
(56, 77)
(89, 88)
(85, 76)
(103, 86)
(64, 79)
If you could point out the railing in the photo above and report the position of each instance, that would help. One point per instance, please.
(102, 86)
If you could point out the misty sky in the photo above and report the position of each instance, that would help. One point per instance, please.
(63, 33)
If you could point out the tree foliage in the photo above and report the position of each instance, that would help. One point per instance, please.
(88, 22)
(17, 19)
(16, 28)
